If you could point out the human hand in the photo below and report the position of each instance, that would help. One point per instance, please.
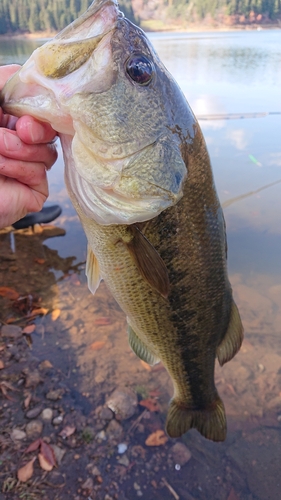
(25, 156)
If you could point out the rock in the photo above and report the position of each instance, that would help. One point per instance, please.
(32, 377)
(34, 412)
(56, 479)
(59, 453)
(180, 453)
(55, 394)
(122, 447)
(258, 457)
(114, 431)
(45, 365)
(34, 428)
(88, 484)
(17, 434)
(123, 402)
(93, 469)
(11, 331)
(47, 414)
(57, 420)
(101, 435)
(106, 414)
(124, 460)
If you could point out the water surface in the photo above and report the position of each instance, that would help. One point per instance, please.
(220, 74)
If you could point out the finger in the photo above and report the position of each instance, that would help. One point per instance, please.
(12, 147)
(31, 131)
(6, 72)
(31, 174)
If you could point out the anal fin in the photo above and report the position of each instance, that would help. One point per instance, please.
(92, 271)
(233, 338)
(210, 422)
(140, 348)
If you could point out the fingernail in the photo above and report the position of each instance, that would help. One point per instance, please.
(36, 132)
(12, 142)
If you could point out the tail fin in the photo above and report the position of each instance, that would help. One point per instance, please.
(210, 422)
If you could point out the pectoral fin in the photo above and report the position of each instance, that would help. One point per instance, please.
(149, 262)
(232, 340)
(140, 348)
(92, 271)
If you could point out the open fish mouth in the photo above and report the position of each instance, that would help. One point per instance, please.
(65, 82)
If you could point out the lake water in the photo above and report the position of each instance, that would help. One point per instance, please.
(232, 81)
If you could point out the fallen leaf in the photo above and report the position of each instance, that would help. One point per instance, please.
(10, 293)
(1, 365)
(29, 329)
(55, 314)
(26, 472)
(67, 431)
(45, 364)
(145, 365)
(9, 321)
(151, 404)
(27, 400)
(48, 453)
(40, 261)
(96, 346)
(102, 321)
(44, 464)
(157, 438)
(39, 311)
(34, 446)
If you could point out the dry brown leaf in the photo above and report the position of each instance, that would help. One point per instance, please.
(40, 261)
(26, 472)
(45, 364)
(145, 365)
(1, 364)
(157, 438)
(29, 329)
(34, 446)
(44, 464)
(102, 321)
(96, 346)
(48, 453)
(55, 314)
(39, 311)
(151, 404)
(67, 431)
(10, 293)
(27, 400)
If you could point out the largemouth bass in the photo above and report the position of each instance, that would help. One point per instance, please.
(138, 173)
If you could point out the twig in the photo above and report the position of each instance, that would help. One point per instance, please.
(171, 490)
(137, 421)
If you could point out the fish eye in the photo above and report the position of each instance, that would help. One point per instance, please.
(140, 69)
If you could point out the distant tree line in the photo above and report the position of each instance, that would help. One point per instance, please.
(28, 16)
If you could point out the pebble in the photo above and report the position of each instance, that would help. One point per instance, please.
(34, 428)
(57, 420)
(101, 435)
(56, 479)
(122, 447)
(47, 414)
(88, 484)
(114, 430)
(106, 414)
(93, 469)
(279, 418)
(17, 434)
(180, 453)
(54, 395)
(59, 453)
(124, 461)
(11, 331)
(123, 402)
(34, 412)
(136, 486)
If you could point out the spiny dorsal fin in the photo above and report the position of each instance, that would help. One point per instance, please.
(233, 338)
(149, 262)
(140, 348)
(92, 271)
